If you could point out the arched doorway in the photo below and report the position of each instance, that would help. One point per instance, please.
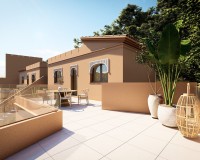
(74, 80)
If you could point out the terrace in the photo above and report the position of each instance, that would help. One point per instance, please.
(92, 133)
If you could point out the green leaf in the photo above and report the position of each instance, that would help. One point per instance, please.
(178, 24)
(185, 47)
(169, 45)
(152, 52)
(150, 47)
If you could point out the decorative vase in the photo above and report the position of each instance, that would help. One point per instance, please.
(153, 102)
(188, 114)
(167, 115)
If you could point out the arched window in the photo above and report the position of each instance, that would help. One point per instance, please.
(58, 76)
(33, 78)
(22, 79)
(27, 78)
(99, 73)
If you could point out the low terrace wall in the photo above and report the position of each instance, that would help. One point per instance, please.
(132, 97)
(20, 135)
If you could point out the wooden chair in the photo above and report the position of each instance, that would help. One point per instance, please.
(83, 95)
(65, 96)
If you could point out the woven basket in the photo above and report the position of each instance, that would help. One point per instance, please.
(188, 114)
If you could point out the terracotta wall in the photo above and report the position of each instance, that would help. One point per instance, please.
(115, 74)
(133, 71)
(35, 71)
(18, 136)
(14, 63)
(22, 74)
(39, 69)
(132, 97)
(93, 44)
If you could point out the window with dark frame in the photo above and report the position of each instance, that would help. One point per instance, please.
(33, 78)
(27, 79)
(58, 78)
(22, 79)
(99, 73)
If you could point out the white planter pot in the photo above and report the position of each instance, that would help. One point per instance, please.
(153, 102)
(167, 115)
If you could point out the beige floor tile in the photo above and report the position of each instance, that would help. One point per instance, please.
(146, 120)
(117, 122)
(176, 152)
(105, 158)
(64, 131)
(103, 144)
(85, 134)
(122, 134)
(102, 127)
(101, 117)
(161, 134)
(87, 122)
(160, 158)
(147, 143)
(57, 143)
(160, 127)
(193, 144)
(133, 126)
(79, 152)
(105, 133)
(129, 152)
(34, 152)
(73, 126)
(49, 158)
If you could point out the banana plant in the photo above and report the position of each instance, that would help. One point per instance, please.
(167, 57)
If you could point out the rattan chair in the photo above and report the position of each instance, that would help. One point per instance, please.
(83, 95)
(65, 96)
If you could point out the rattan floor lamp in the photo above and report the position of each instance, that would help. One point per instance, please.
(188, 114)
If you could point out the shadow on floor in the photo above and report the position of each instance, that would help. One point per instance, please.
(78, 107)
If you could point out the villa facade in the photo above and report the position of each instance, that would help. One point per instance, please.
(32, 73)
(15, 63)
(102, 59)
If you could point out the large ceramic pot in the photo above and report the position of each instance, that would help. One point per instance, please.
(167, 115)
(153, 102)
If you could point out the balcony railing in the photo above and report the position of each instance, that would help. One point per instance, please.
(31, 101)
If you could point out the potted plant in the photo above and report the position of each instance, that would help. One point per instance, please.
(154, 99)
(167, 57)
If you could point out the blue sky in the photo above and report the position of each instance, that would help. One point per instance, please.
(45, 28)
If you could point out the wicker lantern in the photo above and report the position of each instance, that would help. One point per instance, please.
(188, 114)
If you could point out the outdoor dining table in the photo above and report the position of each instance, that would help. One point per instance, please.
(63, 91)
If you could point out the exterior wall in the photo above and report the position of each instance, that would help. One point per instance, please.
(44, 72)
(133, 71)
(83, 50)
(115, 75)
(22, 74)
(18, 136)
(33, 71)
(95, 45)
(39, 69)
(14, 63)
(132, 97)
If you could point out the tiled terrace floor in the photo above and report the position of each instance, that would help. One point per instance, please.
(90, 133)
